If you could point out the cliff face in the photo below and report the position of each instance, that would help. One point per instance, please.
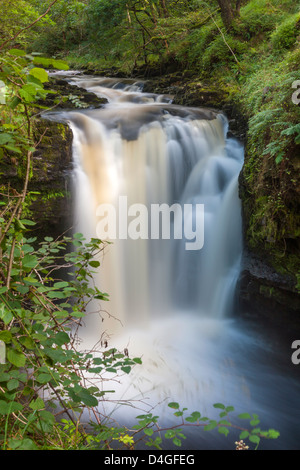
(269, 282)
(51, 163)
(49, 183)
(51, 177)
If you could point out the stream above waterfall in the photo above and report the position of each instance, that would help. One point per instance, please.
(139, 156)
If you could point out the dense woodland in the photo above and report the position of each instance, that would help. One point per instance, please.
(244, 56)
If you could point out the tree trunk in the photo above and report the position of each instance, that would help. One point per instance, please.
(228, 12)
(164, 8)
(238, 7)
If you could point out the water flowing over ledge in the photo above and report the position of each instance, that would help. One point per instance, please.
(171, 306)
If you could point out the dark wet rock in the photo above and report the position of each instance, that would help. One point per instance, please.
(51, 177)
(67, 96)
(265, 294)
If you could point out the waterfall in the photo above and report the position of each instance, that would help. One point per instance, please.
(143, 148)
(141, 152)
(161, 181)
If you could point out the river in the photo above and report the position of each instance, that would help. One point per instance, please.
(160, 182)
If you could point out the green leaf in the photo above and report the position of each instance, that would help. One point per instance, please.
(244, 434)
(46, 421)
(137, 360)
(194, 417)
(59, 64)
(61, 338)
(219, 405)
(29, 261)
(14, 102)
(94, 264)
(254, 438)
(229, 408)
(210, 426)
(174, 405)
(59, 285)
(24, 444)
(255, 431)
(254, 422)
(97, 361)
(4, 377)
(40, 74)
(12, 148)
(44, 378)
(177, 442)
(5, 336)
(7, 408)
(27, 342)
(22, 289)
(170, 434)
(87, 398)
(42, 61)
(37, 404)
(12, 384)
(27, 222)
(5, 315)
(244, 416)
(225, 422)
(148, 431)
(223, 430)
(17, 52)
(16, 357)
(273, 434)
(5, 138)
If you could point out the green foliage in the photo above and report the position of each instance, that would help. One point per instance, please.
(65, 27)
(39, 317)
(44, 373)
(42, 305)
(149, 424)
(258, 17)
(218, 53)
(285, 35)
(199, 39)
(16, 15)
(270, 170)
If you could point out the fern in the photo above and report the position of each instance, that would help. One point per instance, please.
(294, 129)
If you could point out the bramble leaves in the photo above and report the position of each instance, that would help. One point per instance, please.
(40, 74)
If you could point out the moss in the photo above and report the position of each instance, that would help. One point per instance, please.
(285, 35)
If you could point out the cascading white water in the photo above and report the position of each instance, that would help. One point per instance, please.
(143, 147)
(153, 154)
(172, 306)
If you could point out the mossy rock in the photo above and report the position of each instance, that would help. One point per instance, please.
(68, 96)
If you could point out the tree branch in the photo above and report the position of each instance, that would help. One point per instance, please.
(27, 27)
